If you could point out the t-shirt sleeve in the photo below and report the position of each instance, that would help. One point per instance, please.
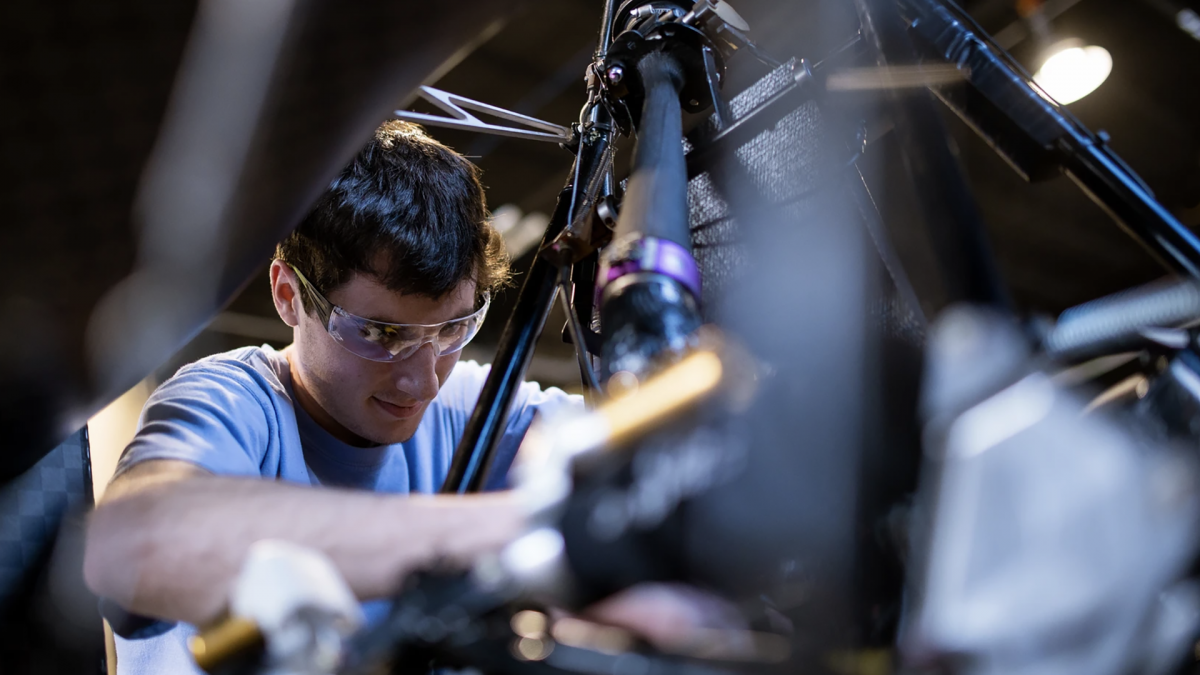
(530, 400)
(213, 416)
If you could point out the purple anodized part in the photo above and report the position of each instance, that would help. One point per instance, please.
(651, 254)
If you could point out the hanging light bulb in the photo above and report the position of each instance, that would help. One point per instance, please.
(1071, 70)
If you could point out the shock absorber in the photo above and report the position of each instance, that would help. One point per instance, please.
(650, 306)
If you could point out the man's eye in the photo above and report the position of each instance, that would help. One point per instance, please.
(452, 329)
(376, 333)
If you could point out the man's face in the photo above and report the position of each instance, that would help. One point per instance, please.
(365, 402)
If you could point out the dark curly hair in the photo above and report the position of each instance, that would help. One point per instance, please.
(408, 211)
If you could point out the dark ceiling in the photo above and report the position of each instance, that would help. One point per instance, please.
(86, 86)
(1055, 247)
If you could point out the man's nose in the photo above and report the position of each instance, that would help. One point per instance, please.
(417, 374)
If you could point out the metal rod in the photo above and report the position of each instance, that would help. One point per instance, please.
(720, 106)
(883, 245)
(955, 231)
(606, 27)
(459, 107)
(473, 458)
(1036, 137)
(1093, 168)
(591, 386)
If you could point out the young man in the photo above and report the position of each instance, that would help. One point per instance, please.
(383, 283)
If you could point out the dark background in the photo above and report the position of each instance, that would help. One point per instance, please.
(1055, 247)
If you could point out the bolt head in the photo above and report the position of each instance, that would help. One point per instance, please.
(615, 74)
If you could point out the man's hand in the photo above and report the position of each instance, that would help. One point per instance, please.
(170, 538)
(672, 617)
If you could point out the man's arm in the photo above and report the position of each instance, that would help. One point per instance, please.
(169, 538)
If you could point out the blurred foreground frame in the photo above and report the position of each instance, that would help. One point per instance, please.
(209, 165)
(49, 620)
(157, 153)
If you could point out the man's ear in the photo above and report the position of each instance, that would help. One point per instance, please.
(285, 291)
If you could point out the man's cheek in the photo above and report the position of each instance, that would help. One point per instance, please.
(445, 364)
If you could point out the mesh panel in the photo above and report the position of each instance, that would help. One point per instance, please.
(782, 165)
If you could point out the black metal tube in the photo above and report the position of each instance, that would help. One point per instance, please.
(955, 230)
(473, 457)
(655, 203)
(1037, 137)
(1103, 177)
(606, 27)
(587, 374)
(647, 313)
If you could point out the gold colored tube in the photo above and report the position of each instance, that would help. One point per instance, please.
(670, 392)
(224, 640)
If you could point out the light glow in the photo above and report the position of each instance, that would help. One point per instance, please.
(1073, 71)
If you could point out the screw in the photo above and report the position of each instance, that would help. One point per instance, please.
(616, 74)
(693, 103)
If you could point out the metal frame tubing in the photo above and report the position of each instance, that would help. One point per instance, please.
(954, 227)
(655, 202)
(1095, 169)
(1037, 136)
(473, 458)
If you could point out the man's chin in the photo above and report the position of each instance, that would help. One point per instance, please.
(386, 429)
(386, 432)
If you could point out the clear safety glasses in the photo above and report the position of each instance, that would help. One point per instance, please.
(379, 341)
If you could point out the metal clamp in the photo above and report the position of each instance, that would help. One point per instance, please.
(651, 254)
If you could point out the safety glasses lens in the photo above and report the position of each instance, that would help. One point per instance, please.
(393, 342)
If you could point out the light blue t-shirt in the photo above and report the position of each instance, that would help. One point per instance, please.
(234, 414)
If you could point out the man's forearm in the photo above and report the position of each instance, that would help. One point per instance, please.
(172, 549)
